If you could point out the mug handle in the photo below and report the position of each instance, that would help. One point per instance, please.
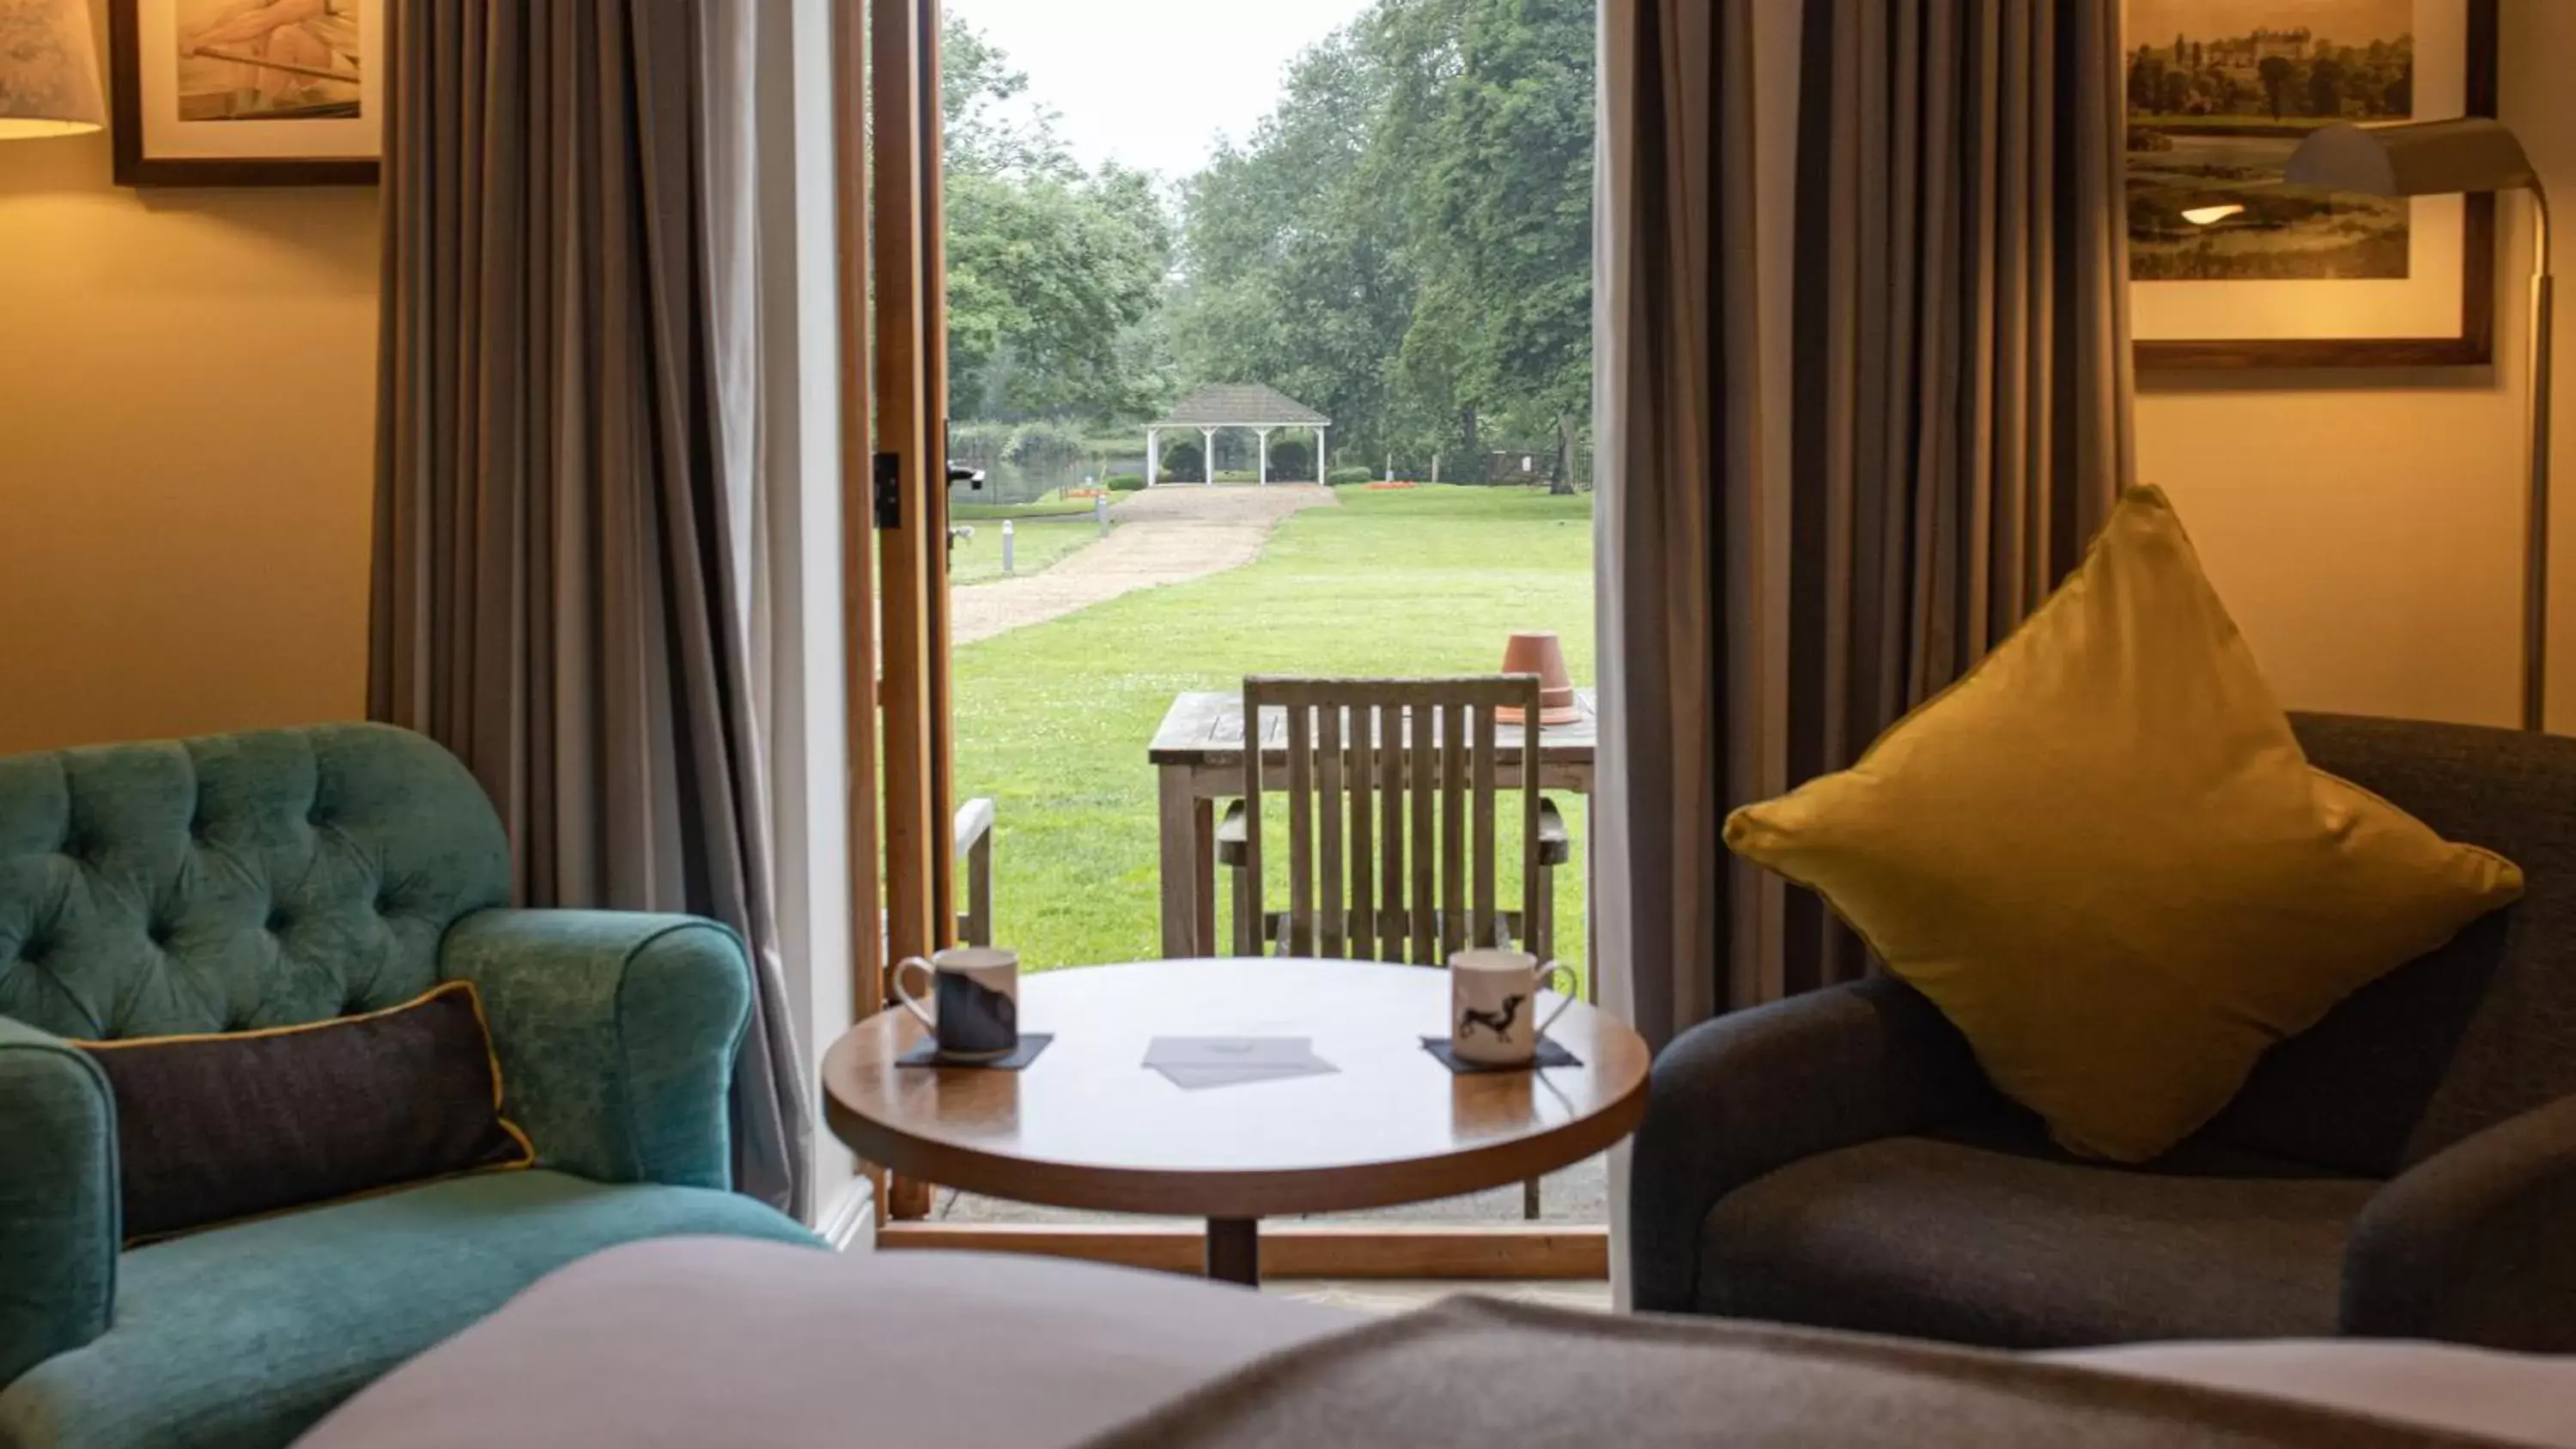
(1547, 974)
(913, 1003)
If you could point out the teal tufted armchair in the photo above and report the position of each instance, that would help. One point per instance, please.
(269, 879)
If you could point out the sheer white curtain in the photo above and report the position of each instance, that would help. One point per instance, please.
(768, 158)
(563, 580)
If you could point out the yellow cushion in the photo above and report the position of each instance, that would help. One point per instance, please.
(2105, 858)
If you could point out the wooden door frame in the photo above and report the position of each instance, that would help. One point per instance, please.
(895, 661)
(859, 662)
(908, 477)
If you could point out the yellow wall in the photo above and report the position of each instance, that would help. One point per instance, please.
(2366, 528)
(187, 414)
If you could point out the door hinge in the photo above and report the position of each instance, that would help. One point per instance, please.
(889, 490)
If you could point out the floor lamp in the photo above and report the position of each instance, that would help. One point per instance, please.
(2442, 158)
(48, 70)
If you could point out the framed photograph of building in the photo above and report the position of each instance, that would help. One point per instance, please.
(247, 92)
(2231, 268)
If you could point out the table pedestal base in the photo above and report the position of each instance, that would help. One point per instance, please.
(1234, 1250)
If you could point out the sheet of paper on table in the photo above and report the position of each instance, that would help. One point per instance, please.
(1195, 1062)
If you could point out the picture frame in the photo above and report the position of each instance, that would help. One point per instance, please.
(223, 93)
(2434, 308)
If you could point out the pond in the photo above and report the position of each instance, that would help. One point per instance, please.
(1009, 483)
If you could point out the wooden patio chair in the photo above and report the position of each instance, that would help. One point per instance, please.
(1392, 849)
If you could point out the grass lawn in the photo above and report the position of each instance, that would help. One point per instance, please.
(1053, 720)
(1034, 546)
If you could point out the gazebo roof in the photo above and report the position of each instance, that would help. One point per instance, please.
(1241, 405)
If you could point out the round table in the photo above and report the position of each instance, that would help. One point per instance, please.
(1088, 1125)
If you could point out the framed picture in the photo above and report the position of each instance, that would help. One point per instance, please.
(247, 92)
(2230, 268)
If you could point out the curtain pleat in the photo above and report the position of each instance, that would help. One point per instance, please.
(1676, 427)
(1958, 422)
(1972, 338)
(557, 593)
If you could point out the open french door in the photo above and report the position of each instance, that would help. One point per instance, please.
(909, 476)
(894, 504)
(894, 435)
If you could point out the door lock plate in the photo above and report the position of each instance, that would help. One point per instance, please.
(889, 494)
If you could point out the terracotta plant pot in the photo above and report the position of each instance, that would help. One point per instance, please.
(1540, 652)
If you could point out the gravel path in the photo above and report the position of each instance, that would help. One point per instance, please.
(1167, 535)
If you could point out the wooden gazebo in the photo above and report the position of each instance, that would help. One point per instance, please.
(1265, 410)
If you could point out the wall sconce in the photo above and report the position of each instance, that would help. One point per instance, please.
(2444, 158)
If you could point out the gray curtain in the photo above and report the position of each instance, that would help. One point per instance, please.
(1677, 445)
(1963, 357)
(557, 596)
(1957, 423)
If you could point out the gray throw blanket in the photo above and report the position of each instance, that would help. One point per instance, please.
(1476, 1372)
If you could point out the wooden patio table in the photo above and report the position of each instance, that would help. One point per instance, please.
(1198, 755)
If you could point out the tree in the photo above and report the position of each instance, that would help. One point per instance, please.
(2177, 93)
(1055, 274)
(1295, 272)
(2397, 98)
(2325, 86)
(2275, 72)
(978, 92)
(1506, 225)
(2146, 81)
(1407, 239)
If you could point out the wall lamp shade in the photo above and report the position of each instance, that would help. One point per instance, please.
(48, 70)
(2422, 158)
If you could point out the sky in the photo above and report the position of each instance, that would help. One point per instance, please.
(1153, 83)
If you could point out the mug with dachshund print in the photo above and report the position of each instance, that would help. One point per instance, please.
(1493, 1005)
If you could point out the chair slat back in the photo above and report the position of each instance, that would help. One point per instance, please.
(1392, 789)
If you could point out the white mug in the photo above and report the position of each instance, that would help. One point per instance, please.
(1493, 1005)
(974, 1006)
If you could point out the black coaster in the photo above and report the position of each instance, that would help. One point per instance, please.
(927, 1055)
(1549, 1055)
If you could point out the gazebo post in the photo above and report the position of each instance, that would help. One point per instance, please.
(1264, 475)
(1320, 473)
(1207, 460)
(1153, 453)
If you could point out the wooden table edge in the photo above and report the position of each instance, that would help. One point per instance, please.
(1249, 1193)
(1559, 751)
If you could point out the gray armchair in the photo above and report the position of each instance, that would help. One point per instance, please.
(2407, 1168)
